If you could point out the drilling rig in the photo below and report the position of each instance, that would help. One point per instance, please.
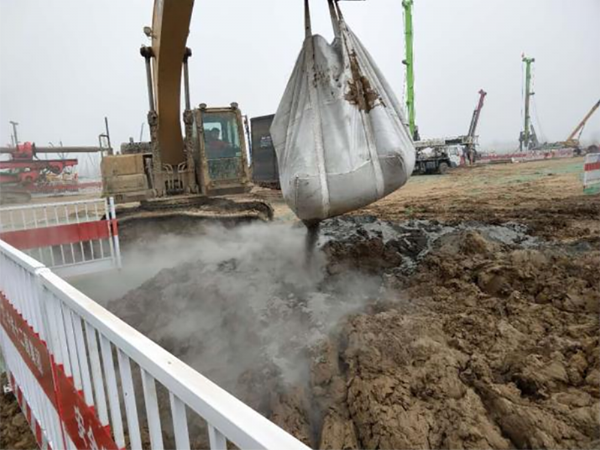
(435, 155)
(528, 139)
(23, 173)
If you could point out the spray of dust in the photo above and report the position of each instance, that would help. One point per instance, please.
(241, 301)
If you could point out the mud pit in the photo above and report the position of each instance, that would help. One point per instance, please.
(412, 334)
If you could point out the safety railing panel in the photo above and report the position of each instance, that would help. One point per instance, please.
(591, 173)
(113, 387)
(72, 238)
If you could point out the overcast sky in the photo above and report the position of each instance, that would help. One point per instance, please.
(65, 64)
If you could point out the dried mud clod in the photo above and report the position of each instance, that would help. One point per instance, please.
(471, 336)
(360, 92)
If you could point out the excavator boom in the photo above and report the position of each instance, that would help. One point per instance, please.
(170, 29)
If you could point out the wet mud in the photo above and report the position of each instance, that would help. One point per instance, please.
(412, 334)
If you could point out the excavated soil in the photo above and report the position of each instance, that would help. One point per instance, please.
(14, 430)
(413, 334)
(460, 312)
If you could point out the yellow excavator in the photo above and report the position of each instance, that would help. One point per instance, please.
(202, 172)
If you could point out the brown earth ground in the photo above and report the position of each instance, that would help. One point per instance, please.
(485, 344)
(14, 430)
(547, 196)
(498, 345)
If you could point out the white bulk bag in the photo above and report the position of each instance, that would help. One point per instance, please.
(339, 133)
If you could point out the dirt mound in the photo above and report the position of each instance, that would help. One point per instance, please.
(399, 335)
(500, 350)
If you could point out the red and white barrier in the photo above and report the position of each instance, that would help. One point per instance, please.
(72, 238)
(591, 173)
(76, 369)
(534, 155)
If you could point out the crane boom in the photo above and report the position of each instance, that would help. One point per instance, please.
(477, 114)
(579, 127)
(170, 29)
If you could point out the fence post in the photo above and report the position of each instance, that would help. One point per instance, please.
(115, 231)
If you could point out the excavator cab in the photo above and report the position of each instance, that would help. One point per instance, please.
(221, 155)
(218, 164)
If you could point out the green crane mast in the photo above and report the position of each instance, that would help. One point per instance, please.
(526, 136)
(408, 62)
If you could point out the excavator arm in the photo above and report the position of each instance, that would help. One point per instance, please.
(170, 29)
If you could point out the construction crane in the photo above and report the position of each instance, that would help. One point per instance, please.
(573, 139)
(470, 146)
(435, 155)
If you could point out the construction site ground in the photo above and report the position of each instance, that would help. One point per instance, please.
(546, 195)
(459, 312)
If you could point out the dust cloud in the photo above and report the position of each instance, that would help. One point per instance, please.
(239, 300)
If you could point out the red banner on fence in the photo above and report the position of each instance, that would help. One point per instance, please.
(82, 424)
(59, 234)
(34, 424)
(32, 349)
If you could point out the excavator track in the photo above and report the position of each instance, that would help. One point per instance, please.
(210, 207)
(181, 215)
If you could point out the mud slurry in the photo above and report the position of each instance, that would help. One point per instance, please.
(409, 335)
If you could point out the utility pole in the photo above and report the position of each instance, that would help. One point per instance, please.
(526, 135)
(409, 63)
(14, 125)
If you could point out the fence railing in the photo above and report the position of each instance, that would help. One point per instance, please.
(591, 173)
(72, 238)
(91, 381)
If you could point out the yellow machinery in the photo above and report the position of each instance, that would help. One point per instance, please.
(573, 139)
(208, 159)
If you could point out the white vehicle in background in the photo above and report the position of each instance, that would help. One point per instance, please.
(456, 156)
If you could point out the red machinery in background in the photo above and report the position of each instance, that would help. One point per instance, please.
(24, 174)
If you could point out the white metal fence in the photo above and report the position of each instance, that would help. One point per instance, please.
(94, 382)
(72, 238)
(591, 173)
